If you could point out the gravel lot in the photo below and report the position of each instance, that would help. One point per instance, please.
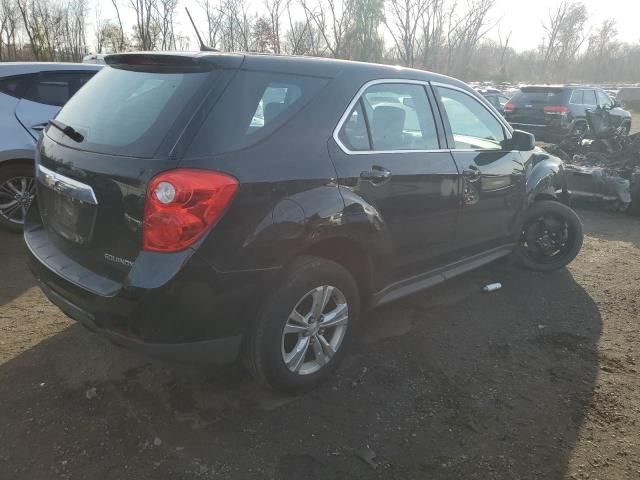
(537, 380)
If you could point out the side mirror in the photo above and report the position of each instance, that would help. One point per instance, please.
(522, 141)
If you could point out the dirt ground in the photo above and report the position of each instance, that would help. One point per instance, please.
(537, 380)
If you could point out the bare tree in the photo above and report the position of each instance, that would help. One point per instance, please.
(402, 20)
(122, 43)
(214, 21)
(333, 20)
(276, 9)
(564, 35)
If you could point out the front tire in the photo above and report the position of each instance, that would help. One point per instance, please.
(551, 237)
(305, 326)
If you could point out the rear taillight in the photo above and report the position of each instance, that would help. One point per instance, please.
(557, 109)
(181, 205)
(509, 107)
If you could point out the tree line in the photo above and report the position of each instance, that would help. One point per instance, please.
(465, 40)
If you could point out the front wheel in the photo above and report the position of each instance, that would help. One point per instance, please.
(302, 333)
(551, 237)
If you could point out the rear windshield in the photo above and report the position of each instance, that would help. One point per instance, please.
(128, 112)
(253, 106)
(538, 96)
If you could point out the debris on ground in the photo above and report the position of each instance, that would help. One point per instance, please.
(91, 393)
(368, 456)
(492, 287)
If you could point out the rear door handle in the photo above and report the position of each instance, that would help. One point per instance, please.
(39, 127)
(377, 175)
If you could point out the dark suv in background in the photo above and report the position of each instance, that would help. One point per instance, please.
(210, 206)
(552, 112)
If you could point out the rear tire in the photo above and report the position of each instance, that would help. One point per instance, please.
(288, 348)
(17, 191)
(551, 237)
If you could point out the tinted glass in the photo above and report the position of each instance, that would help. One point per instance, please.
(589, 98)
(253, 106)
(400, 117)
(354, 132)
(13, 86)
(538, 97)
(55, 88)
(577, 97)
(128, 112)
(472, 125)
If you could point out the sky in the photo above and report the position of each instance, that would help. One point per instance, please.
(523, 18)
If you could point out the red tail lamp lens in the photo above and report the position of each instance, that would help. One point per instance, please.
(181, 205)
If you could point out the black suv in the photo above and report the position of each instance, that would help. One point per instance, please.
(214, 206)
(552, 112)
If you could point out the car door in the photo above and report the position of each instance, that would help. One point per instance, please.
(46, 94)
(492, 176)
(616, 113)
(391, 161)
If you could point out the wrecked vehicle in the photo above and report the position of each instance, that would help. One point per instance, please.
(602, 163)
(553, 112)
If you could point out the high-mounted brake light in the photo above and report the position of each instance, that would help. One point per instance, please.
(181, 205)
(509, 107)
(561, 109)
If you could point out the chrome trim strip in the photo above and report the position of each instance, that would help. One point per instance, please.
(529, 124)
(66, 185)
(345, 115)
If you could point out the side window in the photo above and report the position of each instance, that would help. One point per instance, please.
(13, 86)
(577, 97)
(472, 125)
(275, 99)
(603, 99)
(398, 116)
(354, 133)
(55, 88)
(590, 98)
(502, 100)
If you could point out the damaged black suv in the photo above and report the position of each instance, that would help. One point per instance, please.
(209, 207)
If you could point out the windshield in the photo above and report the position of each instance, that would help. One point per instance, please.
(128, 112)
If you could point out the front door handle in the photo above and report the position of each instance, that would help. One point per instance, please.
(377, 175)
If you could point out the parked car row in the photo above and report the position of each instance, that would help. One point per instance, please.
(212, 207)
(30, 95)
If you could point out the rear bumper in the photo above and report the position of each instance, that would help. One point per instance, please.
(216, 351)
(191, 313)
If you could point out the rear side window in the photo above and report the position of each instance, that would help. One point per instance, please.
(253, 106)
(13, 86)
(394, 116)
(577, 97)
(589, 98)
(129, 112)
(55, 88)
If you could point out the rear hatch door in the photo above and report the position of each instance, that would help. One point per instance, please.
(130, 122)
(528, 105)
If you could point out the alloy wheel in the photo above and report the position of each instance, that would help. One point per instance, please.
(16, 195)
(315, 330)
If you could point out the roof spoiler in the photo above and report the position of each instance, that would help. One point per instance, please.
(203, 47)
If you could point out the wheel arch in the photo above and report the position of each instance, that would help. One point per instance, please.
(351, 255)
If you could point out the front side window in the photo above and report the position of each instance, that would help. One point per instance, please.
(393, 117)
(603, 99)
(472, 125)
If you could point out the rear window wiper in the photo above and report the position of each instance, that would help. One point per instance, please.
(70, 132)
